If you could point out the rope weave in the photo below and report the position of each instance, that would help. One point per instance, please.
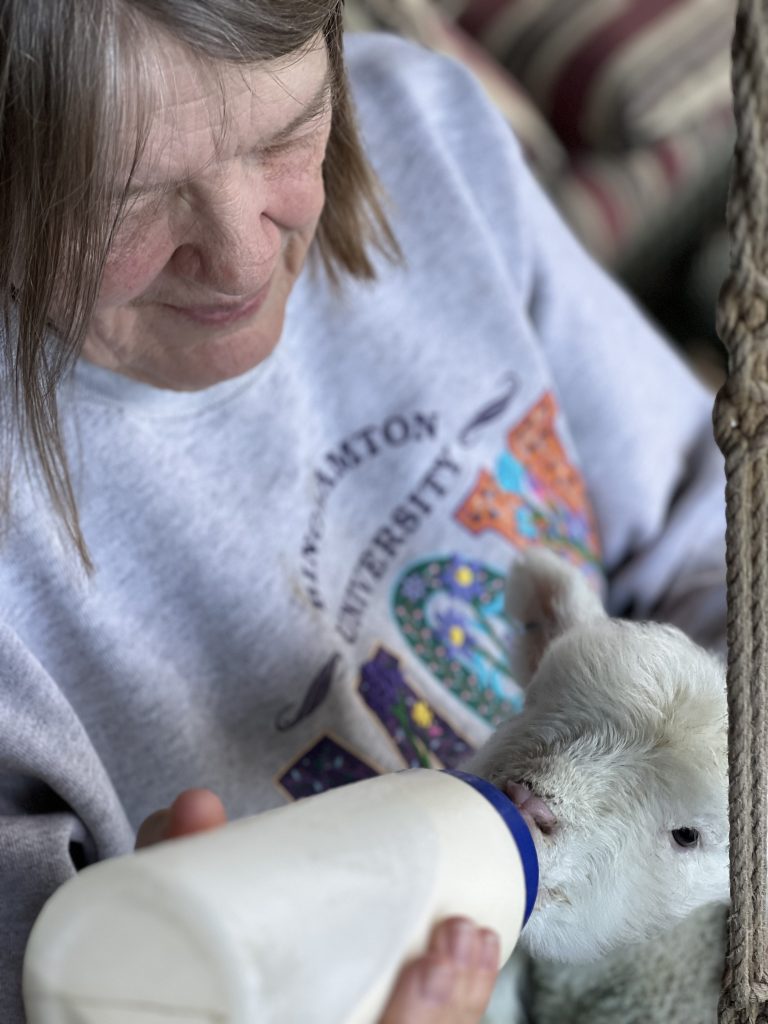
(741, 429)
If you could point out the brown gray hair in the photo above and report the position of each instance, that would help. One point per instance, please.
(70, 78)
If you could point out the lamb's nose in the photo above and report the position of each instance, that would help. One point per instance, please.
(524, 799)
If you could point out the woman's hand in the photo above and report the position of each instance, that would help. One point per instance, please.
(194, 810)
(452, 982)
(449, 984)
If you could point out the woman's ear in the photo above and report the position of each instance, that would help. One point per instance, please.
(545, 597)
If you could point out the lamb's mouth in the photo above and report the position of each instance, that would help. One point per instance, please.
(536, 812)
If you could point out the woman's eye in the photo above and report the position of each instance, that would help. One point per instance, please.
(685, 837)
(281, 149)
(306, 139)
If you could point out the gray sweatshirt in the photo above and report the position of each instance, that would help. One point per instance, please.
(299, 572)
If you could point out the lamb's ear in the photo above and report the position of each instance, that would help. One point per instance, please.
(545, 596)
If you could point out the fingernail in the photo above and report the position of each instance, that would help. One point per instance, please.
(437, 982)
(490, 950)
(461, 940)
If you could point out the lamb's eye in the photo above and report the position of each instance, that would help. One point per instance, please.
(685, 837)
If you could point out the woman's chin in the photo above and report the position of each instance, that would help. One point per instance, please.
(189, 357)
(215, 361)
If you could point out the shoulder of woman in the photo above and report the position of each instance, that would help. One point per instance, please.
(382, 65)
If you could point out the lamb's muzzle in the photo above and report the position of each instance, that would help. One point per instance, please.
(617, 762)
(535, 811)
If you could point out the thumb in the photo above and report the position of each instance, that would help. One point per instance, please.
(194, 810)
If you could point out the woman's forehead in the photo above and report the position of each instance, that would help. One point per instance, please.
(200, 112)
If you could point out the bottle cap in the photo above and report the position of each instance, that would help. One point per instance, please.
(518, 828)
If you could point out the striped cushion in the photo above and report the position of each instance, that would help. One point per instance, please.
(422, 21)
(611, 73)
(616, 203)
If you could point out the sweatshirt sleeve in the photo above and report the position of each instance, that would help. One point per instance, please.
(642, 426)
(58, 810)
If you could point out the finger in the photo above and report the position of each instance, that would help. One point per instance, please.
(423, 993)
(195, 810)
(482, 978)
(153, 829)
(475, 953)
(452, 983)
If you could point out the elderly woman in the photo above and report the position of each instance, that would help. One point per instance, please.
(285, 389)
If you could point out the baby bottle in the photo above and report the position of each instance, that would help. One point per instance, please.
(301, 915)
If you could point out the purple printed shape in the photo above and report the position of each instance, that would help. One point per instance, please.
(325, 766)
(423, 738)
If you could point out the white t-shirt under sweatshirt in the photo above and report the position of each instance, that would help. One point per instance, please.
(299, 572)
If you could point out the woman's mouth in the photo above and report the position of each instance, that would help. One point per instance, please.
(220, 316)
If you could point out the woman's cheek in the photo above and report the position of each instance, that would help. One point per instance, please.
(298, 205)
(135, 260)
(297, 193)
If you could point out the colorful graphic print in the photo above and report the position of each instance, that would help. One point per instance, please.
(451, 613)
(450, 610)
(535, 495)
(325, 765)
(423, 738)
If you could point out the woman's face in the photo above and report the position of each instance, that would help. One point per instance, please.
(198, 276)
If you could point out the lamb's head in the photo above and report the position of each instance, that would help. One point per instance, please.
(618, 762)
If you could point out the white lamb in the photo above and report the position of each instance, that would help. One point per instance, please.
(619, 764)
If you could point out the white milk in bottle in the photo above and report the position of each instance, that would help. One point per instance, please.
(301, 915)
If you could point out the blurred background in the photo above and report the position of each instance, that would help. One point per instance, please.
(623, 108)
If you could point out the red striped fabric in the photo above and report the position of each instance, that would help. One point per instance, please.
(615, 222)
(612, 73)
(669, 160)
(611, 198)
(481, 13)
(576, 78)
(613, 201)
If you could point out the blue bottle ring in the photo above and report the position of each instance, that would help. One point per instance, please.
(518, 828)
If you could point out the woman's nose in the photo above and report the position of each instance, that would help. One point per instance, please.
(231, 245)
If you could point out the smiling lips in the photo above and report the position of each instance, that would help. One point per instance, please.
(222, 315)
